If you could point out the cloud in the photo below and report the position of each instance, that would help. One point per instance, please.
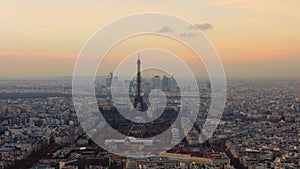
(191, 29)
(165, 29)
(187, 34)
(202, 26)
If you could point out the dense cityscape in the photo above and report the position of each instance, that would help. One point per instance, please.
(128, 84)
(260, 128)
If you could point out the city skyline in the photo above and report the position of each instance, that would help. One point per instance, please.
(125, 84)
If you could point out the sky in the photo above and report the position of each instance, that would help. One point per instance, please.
(254, 38)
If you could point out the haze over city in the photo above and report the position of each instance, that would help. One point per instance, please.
(139, 84)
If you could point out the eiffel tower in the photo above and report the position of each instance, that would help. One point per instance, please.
(139, 103)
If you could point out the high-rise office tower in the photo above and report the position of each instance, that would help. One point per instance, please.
(156, 82)
(208, 85)
(298, 93)
(109, 79)
(173, 84)
(166, 84)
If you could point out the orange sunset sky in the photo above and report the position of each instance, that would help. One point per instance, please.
(254, 38)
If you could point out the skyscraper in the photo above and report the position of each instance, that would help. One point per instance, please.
(173, 83)
(166, 84)
(156, 82)
(109, 80)
(298, 93)
(139, 103)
